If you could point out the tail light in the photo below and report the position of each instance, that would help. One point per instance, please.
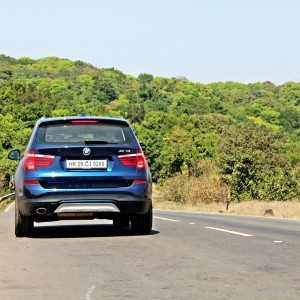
(32, 160)
(136, 160)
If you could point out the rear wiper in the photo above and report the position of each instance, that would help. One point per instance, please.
(98, 142)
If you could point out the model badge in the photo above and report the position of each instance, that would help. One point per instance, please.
(86, 151)
(124, 151)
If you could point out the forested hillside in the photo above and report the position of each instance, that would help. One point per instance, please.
(225, 135)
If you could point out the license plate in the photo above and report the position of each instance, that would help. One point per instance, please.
(87, 164)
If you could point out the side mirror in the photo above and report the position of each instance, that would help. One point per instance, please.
(14, 154)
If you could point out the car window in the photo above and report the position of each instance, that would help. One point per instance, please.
(74, 133)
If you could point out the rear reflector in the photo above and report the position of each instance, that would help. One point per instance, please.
(32, 161)
(84, 121)
(31, 182)
(136, 160)
(139, 181)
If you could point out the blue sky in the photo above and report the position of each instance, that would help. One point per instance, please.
(205, 41)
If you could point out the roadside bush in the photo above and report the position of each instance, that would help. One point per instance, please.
(281, 184)
(205, 188)
(254, 166)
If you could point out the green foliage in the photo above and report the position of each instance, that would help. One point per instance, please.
(250, 131)
(252, 161)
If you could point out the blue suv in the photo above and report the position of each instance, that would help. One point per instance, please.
(82, 168)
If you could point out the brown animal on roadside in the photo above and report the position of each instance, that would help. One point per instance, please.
(269, 212)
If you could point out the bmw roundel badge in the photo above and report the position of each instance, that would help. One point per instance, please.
(86, 151)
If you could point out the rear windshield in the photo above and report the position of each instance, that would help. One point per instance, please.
(85, 133)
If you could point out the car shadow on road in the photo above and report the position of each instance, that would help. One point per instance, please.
(79, 231)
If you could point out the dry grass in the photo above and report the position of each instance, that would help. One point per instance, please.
(286, 209)
(4, 203)
(206, 188)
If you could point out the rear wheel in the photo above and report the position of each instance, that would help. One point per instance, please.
(142, 224)
(23, 225)
(121, 222)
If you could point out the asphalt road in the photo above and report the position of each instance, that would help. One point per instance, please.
(187, 256)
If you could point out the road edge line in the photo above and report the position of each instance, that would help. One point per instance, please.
(166, 219)
(8, 207)
(224, 214)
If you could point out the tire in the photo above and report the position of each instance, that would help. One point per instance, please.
(23, 225)
(142, 224)
(121, 222)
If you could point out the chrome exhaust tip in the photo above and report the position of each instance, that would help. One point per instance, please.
(41, 210)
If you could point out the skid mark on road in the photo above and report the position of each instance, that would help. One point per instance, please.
(229, 231)
(166, 219)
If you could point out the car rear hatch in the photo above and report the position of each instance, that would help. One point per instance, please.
(85, 154)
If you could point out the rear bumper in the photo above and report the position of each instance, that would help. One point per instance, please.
(135, 199)
(124, 203)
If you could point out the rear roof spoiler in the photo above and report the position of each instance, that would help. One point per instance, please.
(67, 120)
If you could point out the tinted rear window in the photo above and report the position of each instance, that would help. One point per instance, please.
(77, 133)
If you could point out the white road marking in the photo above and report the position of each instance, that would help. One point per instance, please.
(192, 223)
(229, 231)
(166, 219)
(8, 207)
(277, 241)
(90, 290)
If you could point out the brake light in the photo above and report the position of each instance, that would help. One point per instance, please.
(136, 160)
(84, 121)
(32, 160)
